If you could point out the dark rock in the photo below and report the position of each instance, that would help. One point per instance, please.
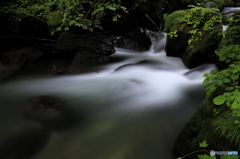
(110, 39)
(139, 40)
(23, 141)
(20, 57)
(89, 51)
(86, 61)
(33, 27)
(10, 42)
(69, 44)
(52, 112)
(58, 70)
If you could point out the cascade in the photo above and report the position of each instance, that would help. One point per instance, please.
(133, 108)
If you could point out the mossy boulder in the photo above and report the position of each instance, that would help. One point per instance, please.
(218, 129)
(193, 35)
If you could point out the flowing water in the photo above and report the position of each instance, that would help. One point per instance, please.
(130, 112)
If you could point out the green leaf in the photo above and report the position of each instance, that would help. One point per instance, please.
(234, 76)
(205, 82)
(219, 100)
(235, 105)
(228, 157)
(219, 82)
(236, 122)
(203, 144)
(226, 80)
(231, 55)
(206, 157)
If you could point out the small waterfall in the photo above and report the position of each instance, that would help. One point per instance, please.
(134, 108)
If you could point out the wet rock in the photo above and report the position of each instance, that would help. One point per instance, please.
(139, 40)
(110, 39)
(18, 58)
(69, 44)
(23, 141)
(88, 52)
(86, 61)
(58, 70)
(52, 112)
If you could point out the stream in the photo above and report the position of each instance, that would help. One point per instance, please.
(130, 109)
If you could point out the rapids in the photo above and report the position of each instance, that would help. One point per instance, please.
(134, 108)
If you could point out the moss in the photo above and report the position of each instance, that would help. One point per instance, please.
(173, 19)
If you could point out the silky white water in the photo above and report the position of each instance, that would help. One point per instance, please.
(132, 112)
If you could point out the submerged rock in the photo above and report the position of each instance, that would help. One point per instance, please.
(52, 112)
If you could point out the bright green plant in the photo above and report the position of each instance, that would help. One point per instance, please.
(199, 19)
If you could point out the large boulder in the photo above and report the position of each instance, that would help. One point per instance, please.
(69, 44)
(87, 52)
(195, 48)
(52, 112)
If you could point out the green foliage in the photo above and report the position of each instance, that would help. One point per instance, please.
(228, 81)
(226, 84)
(198, 18)
(227, 126)
(86, 14)
(201, 19)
